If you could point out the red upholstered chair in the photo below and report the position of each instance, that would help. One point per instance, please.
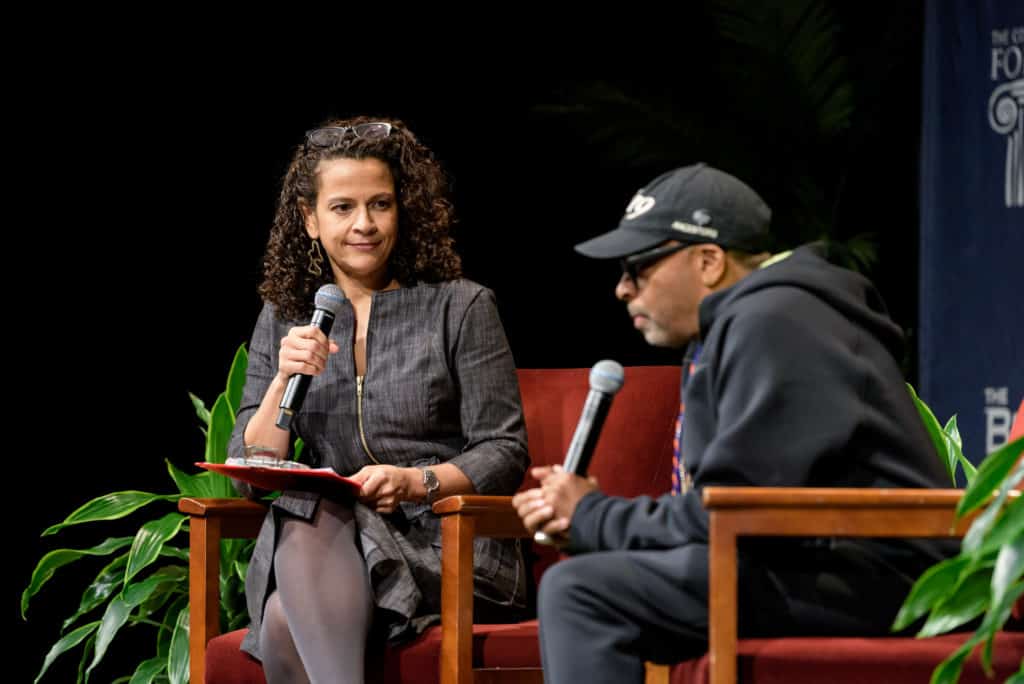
(633, 457)
(763, 511)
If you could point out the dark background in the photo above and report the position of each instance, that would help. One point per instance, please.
(149, 198)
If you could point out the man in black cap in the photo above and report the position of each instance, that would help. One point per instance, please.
(790, 379)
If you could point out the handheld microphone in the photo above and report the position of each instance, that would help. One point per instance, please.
(327, 304)
(606, 378)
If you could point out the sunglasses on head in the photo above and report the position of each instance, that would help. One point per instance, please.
(334, 135)
(634, 264)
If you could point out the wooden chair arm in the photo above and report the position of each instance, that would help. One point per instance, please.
(238, 518)
(491, 516)
(825, 497)
(784, 511)
(211, 520)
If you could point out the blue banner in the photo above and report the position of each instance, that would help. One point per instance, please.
(971, 351)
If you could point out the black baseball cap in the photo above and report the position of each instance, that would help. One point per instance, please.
(692, 204)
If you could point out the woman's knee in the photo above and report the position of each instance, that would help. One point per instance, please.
(275, 625)
(281, 661)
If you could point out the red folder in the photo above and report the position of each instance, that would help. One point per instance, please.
(270, 478)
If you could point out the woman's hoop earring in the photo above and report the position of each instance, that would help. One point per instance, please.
(316, 259)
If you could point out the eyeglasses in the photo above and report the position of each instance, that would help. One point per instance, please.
(333, 135)
(635, 263)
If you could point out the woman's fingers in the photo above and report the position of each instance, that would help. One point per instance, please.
(305, 350)
(380, 487)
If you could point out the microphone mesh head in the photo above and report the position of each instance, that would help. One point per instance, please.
(607, 376)
(329, 298)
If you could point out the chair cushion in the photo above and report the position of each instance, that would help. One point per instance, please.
(226, 663)
(848, 660)
(503, 646)
(417, 662)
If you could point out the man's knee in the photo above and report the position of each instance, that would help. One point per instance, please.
(563, 586)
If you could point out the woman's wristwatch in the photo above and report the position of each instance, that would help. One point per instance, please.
(431, 484)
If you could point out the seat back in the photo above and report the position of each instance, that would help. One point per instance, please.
(634, 452)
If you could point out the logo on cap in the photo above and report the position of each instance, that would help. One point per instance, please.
(640, 204)
(701, 217)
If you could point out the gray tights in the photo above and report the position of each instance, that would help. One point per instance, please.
(316, 622)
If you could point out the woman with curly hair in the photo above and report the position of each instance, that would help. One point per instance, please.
(414, 397)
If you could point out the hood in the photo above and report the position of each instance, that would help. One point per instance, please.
(846, 291)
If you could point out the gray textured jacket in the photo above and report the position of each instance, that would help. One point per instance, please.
(440, 387)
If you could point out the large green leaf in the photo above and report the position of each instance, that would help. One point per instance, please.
(203, 485)
(137, 593)
(938, 437)
(113, 619)
(149, 540)
(166, 631)
(990, 475)
(54, 560)
(152, 608)
(119, 610)
(948, 671)
(1008, 570)
(929, 590)
(109, 580)
(66, 643)
(969, 600)
(1008, 527)
(110, 507)
(175, 552)
(981, 526)
(954, 444)
(201, 410)
(178, 658)
(148, 670)
(236, 379)
(87, 649)
(997, 615)
(222, 422)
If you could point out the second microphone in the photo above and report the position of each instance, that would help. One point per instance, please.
(606, 378)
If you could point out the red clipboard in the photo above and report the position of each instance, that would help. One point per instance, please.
(269, 478)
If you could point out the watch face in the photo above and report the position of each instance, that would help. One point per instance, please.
(430, 482)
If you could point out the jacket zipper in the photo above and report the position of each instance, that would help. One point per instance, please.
(359, 416)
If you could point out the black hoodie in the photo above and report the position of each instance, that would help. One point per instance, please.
(797, 384)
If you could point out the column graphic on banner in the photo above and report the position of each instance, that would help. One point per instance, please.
(1006, 107)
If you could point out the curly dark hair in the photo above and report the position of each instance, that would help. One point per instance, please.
(424, 251)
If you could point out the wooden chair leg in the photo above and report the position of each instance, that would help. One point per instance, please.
(456, 665)
(204, 591)
(722, 600)
(655, 674)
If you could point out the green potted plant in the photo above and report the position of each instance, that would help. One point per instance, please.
(987, 577)
(143, 580)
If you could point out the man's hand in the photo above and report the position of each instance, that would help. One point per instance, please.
(549, 508)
